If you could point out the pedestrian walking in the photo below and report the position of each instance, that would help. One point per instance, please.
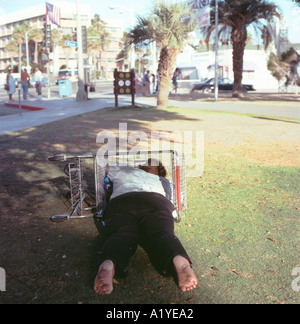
(38, 82)
(146, 91)
(138, 83)
(175, 79)
(10, 85)
(153, 82)
(157, 81)
(25, 82)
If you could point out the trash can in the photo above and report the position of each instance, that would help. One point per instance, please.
(65, 88)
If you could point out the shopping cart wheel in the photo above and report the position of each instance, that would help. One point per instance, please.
(71, 167)
(59, 218)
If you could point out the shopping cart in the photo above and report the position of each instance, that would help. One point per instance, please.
(75, 172)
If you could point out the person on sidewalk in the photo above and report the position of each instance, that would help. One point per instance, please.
(139, 213)
(146, 90)
(10, 84)
(24, 80)
(138, 82)
(175, 77)
(38, 82)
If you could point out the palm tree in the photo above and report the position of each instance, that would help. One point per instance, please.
(167, 26)
(67, 50)
(37, 35)
(19, 36)
(56, 37)
(234, 17)
(95, 47)
(13, 49)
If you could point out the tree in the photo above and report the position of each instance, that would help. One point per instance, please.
(235, 16)
(19, 36)
(168, 27)
(13, 49)
(37, 35)
(285, 68)
(67, 49)
(95, 46)
(56, 37)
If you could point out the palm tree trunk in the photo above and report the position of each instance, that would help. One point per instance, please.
(238, 40)
(20, 54)
(35, 52)
(166, 66)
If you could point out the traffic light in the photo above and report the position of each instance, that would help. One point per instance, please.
(47, 31)
(84, 39)
(102, 37)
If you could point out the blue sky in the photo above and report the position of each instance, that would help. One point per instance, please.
(141, 7)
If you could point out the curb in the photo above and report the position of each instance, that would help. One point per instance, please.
(26, 107)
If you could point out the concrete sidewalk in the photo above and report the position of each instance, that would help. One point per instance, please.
(52, 110)
(60, 108)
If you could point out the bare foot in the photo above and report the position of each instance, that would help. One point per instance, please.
(186, 277)
(104, 280)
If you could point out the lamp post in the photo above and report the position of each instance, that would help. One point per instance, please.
(132, 63)
(216, 53)
(81, 94)
(27, 50)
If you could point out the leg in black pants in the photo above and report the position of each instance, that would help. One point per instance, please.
(157, 235)
(145, 219)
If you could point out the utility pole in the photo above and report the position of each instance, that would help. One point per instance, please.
(216, 53)
(81, 94)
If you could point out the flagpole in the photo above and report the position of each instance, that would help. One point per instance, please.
(216, 52)
(81, 94)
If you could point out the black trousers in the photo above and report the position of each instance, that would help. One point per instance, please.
(143, 219)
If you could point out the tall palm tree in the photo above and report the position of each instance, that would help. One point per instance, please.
(56, 37)
(167, 26)
(67, 50)
(13, 49)
(19, 36)
(95, 47)
(37, 35)
(235, 16)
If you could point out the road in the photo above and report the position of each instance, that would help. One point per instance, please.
(104, 92)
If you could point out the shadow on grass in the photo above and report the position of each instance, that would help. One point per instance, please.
(248, 97)
(49, 262)
(276, 119)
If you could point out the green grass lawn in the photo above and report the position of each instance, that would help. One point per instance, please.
(241, 228)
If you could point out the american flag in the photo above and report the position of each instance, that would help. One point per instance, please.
(52, 14)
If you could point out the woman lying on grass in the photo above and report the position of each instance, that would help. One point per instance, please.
(140, 213)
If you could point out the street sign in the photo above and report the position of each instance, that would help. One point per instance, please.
(71, 44)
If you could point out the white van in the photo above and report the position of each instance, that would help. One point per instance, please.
(188, 76)
(67, 74)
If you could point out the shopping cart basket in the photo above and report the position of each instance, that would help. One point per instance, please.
(75, 172)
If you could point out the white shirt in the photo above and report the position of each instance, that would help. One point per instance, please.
(38, 76)
(126, 179)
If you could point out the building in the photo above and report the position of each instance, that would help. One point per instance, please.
(255, 70)
(107, 59)
(61, 55)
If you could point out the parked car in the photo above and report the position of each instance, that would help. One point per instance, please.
(67, 74)
(224, 84)
(17, 82)
(32, 82)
